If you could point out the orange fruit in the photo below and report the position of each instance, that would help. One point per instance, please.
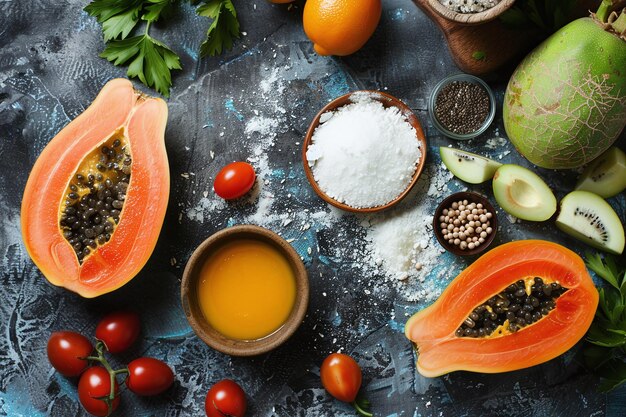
(340, 27)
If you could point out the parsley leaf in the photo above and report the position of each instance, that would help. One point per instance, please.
(147, 58)
(607, 334)
(118, 17)
(151, 60)
(156, 8)
(224, 28)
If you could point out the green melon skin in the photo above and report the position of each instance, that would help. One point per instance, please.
(566, 102)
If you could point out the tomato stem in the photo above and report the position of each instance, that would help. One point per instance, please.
(100, 348)
(361, 406)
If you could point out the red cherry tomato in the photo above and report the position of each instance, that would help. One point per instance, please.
(94, 384)
(341, 376)
(119, 330)
(148, 376)
(225, 398)
(234, 180)
(65, 350)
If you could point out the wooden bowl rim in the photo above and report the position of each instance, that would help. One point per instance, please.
(471, 18)
(387, 100)
(195, 317)
(475, 198)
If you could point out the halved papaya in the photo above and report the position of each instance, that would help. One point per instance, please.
(520, 304)
(96, 198)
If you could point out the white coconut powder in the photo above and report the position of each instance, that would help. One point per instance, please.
(363, 154)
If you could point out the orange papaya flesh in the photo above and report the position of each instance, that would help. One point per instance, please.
(137, 122)
(434, 330)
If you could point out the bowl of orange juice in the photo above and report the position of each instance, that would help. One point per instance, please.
(245, 290)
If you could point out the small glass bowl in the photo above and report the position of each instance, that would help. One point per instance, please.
(471, 79)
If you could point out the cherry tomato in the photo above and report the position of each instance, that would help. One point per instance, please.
(148, 376)
(234, 180)
(119, 330)
(341, 376)
(95, 383)
(65, 350)
(225, 398)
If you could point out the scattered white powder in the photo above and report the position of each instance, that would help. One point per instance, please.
(381, 250)
(401, 238)
(497, 142)
(363, 154)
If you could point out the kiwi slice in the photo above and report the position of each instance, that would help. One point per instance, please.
(606, 175)
(522, 193)
(468, 166)
(586, 216)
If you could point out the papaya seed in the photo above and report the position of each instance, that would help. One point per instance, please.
(95, 197)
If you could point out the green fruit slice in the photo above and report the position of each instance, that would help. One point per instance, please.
(606, 175)
(468, 166)
(523, 193)
(587, 217)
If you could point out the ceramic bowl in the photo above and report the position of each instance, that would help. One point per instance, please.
(471, 18)
(189, 289)
(468, 78)
(472, 198)
(387, 101)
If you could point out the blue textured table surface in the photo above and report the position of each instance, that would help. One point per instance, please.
(255, 102)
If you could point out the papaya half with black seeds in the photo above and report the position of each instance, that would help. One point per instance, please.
(96, 197)
(519, 305)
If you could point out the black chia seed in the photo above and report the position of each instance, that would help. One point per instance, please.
(514, 305)
(462, 107)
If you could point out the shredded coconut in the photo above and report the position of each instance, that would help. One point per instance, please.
(363, 154)
(471, 6)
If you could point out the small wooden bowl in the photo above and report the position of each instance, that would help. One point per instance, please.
(471, 18)
(189, 288)
(387, 101)
(472, 198)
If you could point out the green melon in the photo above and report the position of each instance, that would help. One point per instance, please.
(566, 102)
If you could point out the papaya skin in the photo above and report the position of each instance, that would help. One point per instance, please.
(565, 104)
(432, 330)
(142, 119)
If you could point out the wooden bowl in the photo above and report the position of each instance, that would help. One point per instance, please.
(387, 101)
(472, 198)
(189, 288)
(471, 18)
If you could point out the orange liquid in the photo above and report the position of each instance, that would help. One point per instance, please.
(247, 289)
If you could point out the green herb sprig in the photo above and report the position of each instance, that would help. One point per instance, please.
(147, 58)
(606, 353)
(547, 16)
